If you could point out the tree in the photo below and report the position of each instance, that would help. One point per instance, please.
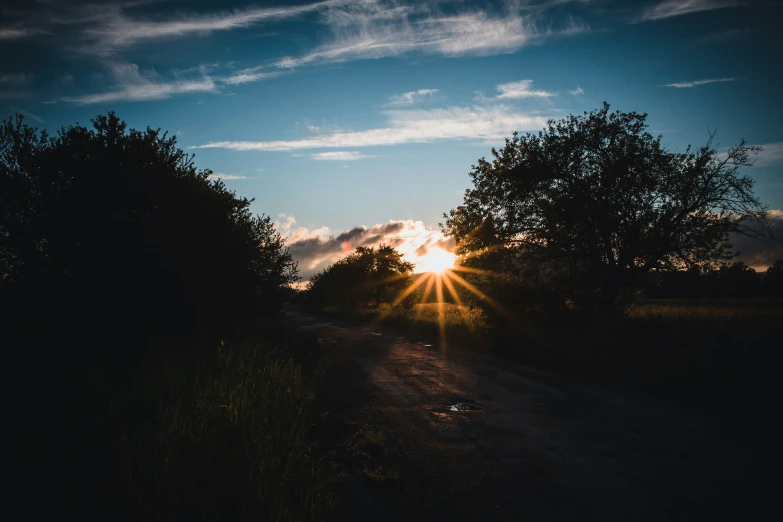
(737, 280)
(366, 276)
(107, 229)
(773, 282)
(595, 202)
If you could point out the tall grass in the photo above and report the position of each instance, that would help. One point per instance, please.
(216, 433)
(452, 316)
(423, 319)
(718, 344)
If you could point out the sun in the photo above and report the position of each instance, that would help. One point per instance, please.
(435, 260)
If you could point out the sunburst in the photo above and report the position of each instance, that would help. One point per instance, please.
(441, 271)
(435, 260)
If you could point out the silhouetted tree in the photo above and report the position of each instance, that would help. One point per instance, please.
(737, 280)
(595, 201)
(366, 276)
(107, 229)
(695, 281)
(773, 281)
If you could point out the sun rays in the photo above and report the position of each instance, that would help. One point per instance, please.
(445, 285)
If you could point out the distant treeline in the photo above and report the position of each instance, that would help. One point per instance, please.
(729, 280)
(349, 285)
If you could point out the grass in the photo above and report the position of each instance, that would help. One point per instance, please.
(716, 345)
(423, 319)
(702, 351)
(367, 452)
(201, 433)
(708, 309)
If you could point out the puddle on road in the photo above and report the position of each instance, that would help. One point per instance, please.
(466, 406)
(373, 333)
(459, 405)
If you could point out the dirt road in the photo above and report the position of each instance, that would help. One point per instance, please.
(542, 448)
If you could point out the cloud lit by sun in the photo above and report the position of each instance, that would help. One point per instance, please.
(435, 260)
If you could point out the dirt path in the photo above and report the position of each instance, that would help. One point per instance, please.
(544, 447)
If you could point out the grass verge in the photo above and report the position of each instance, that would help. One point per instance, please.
(193, 432)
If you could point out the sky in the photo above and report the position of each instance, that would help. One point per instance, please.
(357, 122)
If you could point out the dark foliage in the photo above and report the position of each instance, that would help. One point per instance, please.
(595, 202)
(107, 229)
(773, 282)
(367, 276)
(121, 265)
(728, 280)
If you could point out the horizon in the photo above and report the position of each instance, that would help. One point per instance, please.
(356, 123)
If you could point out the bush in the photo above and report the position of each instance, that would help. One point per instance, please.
(121, 265)
(115, 232)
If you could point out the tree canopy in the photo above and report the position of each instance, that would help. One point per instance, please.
(594, 201)
(363, 277)
(114, 227)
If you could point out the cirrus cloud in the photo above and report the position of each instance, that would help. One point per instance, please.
(411, 126)
(407, 98)
(132, 85)
(696, 83)
(221, 175)
(670, 8)
(521, 89)
(376, 29)
(339, 156)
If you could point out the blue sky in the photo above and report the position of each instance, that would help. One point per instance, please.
(357, 122)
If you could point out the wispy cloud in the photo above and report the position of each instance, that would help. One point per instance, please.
(411, 126)
(521, 89)
(322, 128)
(669, 8)
(339, 156)
(359, 29)
(28, 114)
(687, 85)
(249, 76)
(119, 30)
(220, 175)
(726, 35)
(576, 91)
(132, 85)
(15, 33)
(15, 85)
(407, 98)
(374, 29)
(106, 28)
(15, 79)
(771, 154)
